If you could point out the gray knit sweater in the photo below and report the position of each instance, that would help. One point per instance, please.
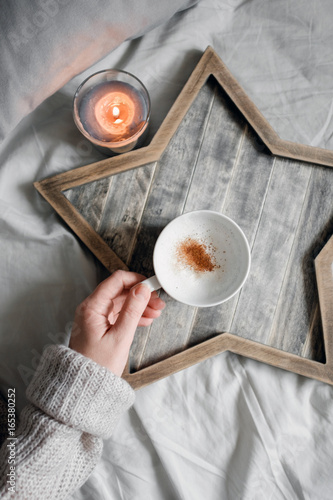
(75, 403)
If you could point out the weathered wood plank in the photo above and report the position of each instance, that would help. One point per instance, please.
(113, 206)
(166, 201)
(89, 199)
(296, 317)
(208, 186)
(172, 179)
(270, 254)
(243, 202)
(218, 153)
(119, 221)
(167, 335)
(124, 205)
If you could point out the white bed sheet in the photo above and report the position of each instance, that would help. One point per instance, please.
(228, 428)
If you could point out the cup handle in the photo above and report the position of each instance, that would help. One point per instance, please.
(152, 283)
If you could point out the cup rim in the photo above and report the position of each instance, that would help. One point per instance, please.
(246, 246)
(110, 144)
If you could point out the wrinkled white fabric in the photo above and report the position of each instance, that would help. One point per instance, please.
(44, 43)
(229, 428)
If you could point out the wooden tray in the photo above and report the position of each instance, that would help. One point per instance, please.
(216, 151)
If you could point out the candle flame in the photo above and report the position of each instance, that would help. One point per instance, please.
(116, 112)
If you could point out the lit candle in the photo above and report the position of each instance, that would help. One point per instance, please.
(112, 108)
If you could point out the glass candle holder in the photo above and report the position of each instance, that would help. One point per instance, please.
(111, 108)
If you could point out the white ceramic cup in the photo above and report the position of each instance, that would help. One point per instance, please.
(230, 252)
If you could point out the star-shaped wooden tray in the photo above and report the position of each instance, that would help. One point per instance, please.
(216, 151)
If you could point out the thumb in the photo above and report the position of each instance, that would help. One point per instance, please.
(133, 308)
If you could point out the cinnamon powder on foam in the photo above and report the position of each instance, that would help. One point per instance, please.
(196, 255)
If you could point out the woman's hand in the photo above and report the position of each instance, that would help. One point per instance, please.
(105, 322)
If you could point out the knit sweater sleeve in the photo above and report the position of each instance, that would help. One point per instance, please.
(74, 404)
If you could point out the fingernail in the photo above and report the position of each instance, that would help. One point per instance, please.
(142, 291)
